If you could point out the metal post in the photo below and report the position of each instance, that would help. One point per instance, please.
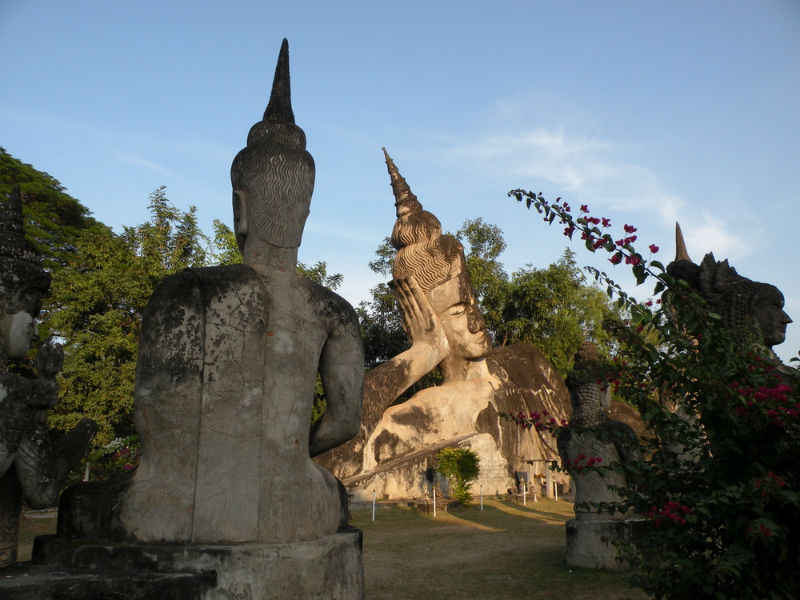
(434, 502)
(481, 497)
(524, 493)
(374, 497)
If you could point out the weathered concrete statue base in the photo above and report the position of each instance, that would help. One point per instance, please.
(589, 543)
(324, 568)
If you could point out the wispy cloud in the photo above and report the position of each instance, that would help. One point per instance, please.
(147, 164)
(598, 172)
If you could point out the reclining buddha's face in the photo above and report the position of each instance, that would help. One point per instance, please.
(454, 303)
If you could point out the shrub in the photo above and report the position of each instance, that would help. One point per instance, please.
(460, 466)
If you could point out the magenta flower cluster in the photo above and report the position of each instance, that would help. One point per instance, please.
(672, 511)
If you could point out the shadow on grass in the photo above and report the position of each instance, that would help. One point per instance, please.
(408, 556)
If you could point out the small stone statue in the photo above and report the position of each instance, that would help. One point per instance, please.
(441, 317)
(593, 439)
(34, 461)
(750, 310)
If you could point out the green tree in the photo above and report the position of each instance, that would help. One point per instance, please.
(461, 466)
(555, 310)
(380, 318)
(225, 249)
(53, 219)
(169, 241)
(483, 245)
(96, 304)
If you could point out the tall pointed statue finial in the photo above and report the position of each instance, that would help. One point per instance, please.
(680, 245)
(280, 99)
(274, 172)
(403, 196)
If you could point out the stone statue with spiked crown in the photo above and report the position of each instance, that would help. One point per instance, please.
(751, 311)
(34, 461)
(396, 444)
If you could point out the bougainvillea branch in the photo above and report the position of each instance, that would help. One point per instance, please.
(718, 493)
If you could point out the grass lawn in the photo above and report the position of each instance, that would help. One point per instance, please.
(506, 552)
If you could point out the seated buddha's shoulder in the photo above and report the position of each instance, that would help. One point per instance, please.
(329, 306)
(189, 281)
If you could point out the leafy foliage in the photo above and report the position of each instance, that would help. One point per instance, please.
(53, 218)
(718, 491)
(96, 304)
(461, 466)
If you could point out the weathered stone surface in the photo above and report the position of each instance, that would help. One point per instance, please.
(227, 458)
(34, 461)
(434, 292)
(590, 543)
(42, 583)
(327, 567)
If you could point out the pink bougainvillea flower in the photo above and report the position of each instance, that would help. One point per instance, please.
(584, 208)
(616, 259)
(653, 248)
(629, 229)
(606, 222)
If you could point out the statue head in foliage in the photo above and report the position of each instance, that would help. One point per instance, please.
(437, 263)
(749, 309)
(273, 176)
(23, 281)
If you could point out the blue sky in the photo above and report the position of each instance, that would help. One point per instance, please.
(647, 111)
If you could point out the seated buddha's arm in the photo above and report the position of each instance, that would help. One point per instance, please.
(341, 369)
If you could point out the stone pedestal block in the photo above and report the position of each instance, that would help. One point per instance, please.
(590, 543)
(322, 569)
